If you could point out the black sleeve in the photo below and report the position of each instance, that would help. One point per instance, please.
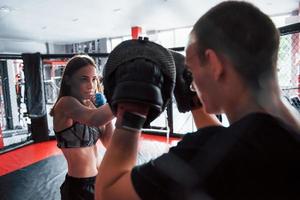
(168, 175)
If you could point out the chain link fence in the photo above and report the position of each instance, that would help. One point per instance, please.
(288, 66)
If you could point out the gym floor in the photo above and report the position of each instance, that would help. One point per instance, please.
(36, 171)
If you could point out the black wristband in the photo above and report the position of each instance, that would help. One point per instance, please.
(132, 121)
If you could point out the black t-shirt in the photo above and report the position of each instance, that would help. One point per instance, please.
(257, 157)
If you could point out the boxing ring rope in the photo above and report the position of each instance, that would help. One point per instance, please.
(151, 131)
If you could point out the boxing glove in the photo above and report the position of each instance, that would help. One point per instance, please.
(99, 99)
(142, 72)
(185, 97)
(139, 80)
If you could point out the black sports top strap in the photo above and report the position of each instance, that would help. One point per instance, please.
(78, 135)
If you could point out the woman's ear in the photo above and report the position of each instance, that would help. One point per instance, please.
(216, 64)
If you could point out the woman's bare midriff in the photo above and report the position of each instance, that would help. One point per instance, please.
(82, 162)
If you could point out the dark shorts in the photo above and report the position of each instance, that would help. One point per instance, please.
(78, 188)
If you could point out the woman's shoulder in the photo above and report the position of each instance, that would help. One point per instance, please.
(67, 100)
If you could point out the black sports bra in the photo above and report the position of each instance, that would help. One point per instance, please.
(78, 135)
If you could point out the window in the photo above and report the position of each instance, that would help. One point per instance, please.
(181, 36)
(166, 38)
(115, 42)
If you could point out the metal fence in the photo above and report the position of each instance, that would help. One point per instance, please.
(288, 66)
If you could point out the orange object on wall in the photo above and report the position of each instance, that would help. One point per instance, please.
(135, 32)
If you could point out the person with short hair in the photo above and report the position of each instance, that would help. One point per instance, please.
(232, 54)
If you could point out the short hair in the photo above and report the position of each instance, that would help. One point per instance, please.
(244, 35)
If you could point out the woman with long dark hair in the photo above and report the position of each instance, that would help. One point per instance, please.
(78, 124)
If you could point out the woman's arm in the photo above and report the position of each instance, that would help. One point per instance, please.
(73, 109)
(107, 134)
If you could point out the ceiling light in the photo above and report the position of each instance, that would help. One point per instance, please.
(117, 9)
(5, 9)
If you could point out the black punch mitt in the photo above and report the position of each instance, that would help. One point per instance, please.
(140, 71)
(186, 99)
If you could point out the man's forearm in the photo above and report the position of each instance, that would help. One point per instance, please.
(119, 158)
(203, 119)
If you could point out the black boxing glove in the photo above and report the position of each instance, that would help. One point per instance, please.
(186, 98)
(139, 81)
(138, 87)
(141, 72)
